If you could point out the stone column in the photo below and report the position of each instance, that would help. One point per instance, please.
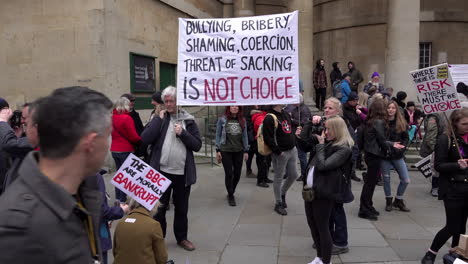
(244, 8)
(402, 45)
(306, 44)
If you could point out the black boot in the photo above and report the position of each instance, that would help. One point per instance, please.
(388, 205)
(283, 200)
(429, 258)
(400, 204)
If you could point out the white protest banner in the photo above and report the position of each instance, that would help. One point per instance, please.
(459, 73)
(141, 182)
(424, 166)
(436, 90)
(238, 61)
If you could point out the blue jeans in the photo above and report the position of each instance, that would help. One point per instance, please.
(119, 158)
(302, 160)
(402, 171)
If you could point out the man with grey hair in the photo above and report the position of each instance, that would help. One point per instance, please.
(54, 194)
(174, 136)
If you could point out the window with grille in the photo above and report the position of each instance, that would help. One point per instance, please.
(425, 53)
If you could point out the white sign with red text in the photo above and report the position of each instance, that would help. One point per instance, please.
(436, 90)
(140, 181)
(238, 61)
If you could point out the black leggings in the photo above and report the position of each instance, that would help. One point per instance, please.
(318, 214)
(373, 169)
(456, 213)
(232, 163)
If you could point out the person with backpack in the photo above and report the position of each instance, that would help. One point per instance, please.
(434, 126)
(344, 88)
(320, 84)
(451, 160)
(232, 146)
(335, 74)
(397, 128)
(263, 161)
(279, 137)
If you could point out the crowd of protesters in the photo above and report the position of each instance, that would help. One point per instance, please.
(50, 166)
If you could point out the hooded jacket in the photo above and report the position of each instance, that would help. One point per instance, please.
(336, 74)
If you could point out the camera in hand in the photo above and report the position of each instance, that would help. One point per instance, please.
(317, 129)
(15, 120)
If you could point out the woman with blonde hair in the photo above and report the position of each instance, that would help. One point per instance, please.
(138, 238)
(327, 182)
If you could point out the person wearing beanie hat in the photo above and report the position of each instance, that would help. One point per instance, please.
(375, 81)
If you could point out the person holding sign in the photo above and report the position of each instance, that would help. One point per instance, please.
(451, 161)
(232, 146)
(174, 136)
(50, 214)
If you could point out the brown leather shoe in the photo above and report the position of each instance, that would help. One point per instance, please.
(187, 245)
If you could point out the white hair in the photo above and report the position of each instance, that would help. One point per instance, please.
(169, 91)
(122, 104)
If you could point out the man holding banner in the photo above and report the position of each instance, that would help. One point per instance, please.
(174, 136)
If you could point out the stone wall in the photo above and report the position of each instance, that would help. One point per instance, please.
(50, 44)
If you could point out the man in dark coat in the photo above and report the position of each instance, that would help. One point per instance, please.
(174, 136)
(356, 77)
(336, 74)
(50, 214)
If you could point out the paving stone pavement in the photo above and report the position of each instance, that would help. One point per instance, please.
(252, 232)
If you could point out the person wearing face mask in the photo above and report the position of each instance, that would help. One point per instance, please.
(375, 81)
(326, 179)
(307, 141)
(398, 128)
(451, 156)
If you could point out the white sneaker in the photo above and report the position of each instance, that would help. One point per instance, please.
(316, 260)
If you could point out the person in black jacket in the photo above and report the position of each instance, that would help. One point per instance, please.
(374, 142)
(134, 114)
(451, 163)
(174, 136)
(326, 177)
(307, 141)
(281, 141)
(398, 132)
(335, 74)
